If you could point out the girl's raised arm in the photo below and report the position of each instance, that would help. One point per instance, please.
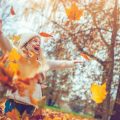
(61, 64)
(5, 44)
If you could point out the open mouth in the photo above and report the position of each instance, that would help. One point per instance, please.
(36, 48)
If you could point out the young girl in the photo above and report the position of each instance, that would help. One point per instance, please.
(29, 45)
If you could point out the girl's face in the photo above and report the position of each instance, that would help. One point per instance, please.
(34, 45)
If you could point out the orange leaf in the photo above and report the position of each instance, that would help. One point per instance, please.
(33, 100)
(12, 11)
(13, 115)
(85, 56)
(31, 90)
(74, 13)
(43, 34)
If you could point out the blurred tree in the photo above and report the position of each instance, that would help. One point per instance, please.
(95, 37)
(116, 110)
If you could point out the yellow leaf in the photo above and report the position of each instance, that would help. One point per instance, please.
(15, 38)
(74, 13)
(13, 55)
(98, 92)
(13, 67)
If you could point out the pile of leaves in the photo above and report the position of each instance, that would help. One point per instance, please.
(42, 114)
(13, 77)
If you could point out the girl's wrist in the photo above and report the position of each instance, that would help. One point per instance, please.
(77, 61)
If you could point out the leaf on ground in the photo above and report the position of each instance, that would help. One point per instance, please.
(14, 115)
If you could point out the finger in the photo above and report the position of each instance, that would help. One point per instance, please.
(4, 58)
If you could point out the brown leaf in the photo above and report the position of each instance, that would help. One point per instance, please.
(14, 115)
(12, 11)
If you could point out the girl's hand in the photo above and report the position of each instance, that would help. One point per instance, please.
(3, 58)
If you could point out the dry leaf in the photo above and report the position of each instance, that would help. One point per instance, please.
(43, 34)
(12, 11)
(85, 56)
(74, 13)
(13, 55)
(14, 115)
(98, 92)
(13, 68)
(15, 38)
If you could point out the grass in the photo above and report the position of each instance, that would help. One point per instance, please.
(58, 109)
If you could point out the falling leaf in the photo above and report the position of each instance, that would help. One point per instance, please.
(0, 25)
(13, 115)
(15, 38)
(13, 55)
(26, 12)
(74, 13)
(12, 11)
(98, 92)
(43, 34)
(85, 56)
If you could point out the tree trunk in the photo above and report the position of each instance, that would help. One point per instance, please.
(102, 110)
(116, 109)
(108, 70)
